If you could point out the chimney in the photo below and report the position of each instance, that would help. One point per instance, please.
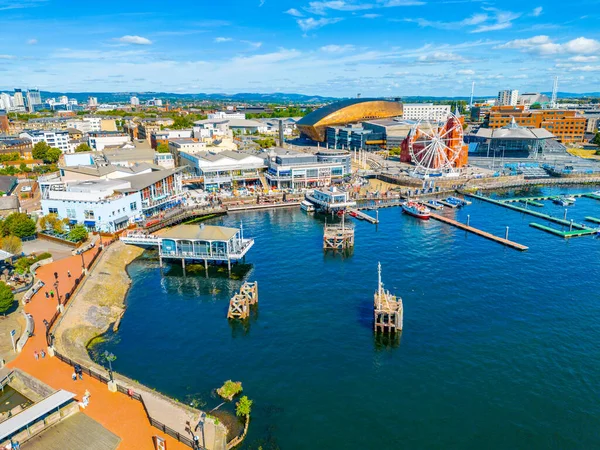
(281, 140)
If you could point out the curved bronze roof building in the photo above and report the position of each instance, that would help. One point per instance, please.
(314, 124)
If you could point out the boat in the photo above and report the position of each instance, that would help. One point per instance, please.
(457, 201)
(564, 201)
(416, 210)
(307, 206)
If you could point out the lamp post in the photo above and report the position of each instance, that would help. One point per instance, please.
(110, 358)
(60, 307)
(82, 263)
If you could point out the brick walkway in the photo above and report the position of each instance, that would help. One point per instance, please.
(115, 411)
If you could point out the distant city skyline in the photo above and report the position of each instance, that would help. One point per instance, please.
(333, 48)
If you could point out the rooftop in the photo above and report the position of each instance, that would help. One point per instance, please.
(205, 233)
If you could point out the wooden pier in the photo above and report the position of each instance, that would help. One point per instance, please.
(479, 232)
(239, 305)
(388, 309)
(338, 236)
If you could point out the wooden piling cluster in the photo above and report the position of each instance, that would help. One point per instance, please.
(240, 303)
(388, 310)
(338, 236)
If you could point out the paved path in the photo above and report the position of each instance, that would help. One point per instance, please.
(115, 411)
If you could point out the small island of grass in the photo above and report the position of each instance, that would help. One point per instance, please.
(230, 389)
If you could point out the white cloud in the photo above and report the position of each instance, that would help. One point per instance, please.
(32, 41)
(501, 20)
(294, 12)
(370, 16)
(7, 57)
(255, 45)
(483, 22)
(440, 57)
(466, 72)
(537, 11)
(321, 7)
(583, 59)
(136, 40)
(219, 40)
(585, 69)
(312, 23)
(337, 48)
(543, 45)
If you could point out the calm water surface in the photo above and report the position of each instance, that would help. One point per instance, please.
(500, 349)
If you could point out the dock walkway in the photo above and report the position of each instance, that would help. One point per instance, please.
(479, 232)
(363, 216)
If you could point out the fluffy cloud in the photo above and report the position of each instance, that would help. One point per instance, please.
(583, 59)
(220, 40)
(543, 45)
(294, 12)
(136, 40)
(490, 20)
(312, 23)
(537, 11)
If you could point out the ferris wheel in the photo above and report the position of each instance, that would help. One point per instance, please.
(435, 146)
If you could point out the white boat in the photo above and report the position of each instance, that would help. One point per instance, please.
(307, 206)
(416, 210)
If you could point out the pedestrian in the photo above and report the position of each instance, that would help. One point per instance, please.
(52, 294)
(69, 273)
(74, 376)
(43, 353)
(47, 295)
(35, 355)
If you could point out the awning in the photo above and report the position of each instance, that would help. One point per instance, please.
(121, 220)
(34, 412)
(90, 223)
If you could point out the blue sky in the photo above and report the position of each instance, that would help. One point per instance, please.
(331, 47)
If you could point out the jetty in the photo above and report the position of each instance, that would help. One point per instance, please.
(484, 234)
(388, 309)
(563, 234)
(592, 219)
(364, 216)
(547, 217)
(240, 303)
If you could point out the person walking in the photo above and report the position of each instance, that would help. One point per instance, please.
(43, 353)
(35, 355)
(74, 376)
(52, 294)
(69, 273)
(47, 295)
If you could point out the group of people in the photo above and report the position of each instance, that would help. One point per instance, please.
(77, 371)
(37, 355)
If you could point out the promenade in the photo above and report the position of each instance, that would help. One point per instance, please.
(115, 411)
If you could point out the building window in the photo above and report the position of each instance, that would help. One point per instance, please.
(52, 211)
(71, 213)
(133, 206)
(88, 214)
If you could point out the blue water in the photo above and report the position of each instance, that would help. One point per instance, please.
(500, 348)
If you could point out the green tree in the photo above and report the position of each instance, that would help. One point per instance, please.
(78, 233)
(40, 150)
(12, 244)
(535, 105)
(53, 155)
(596, 139)
(181, 122)
(243, 407)
(18, 224)
(83, 147)
(7, 297)
(162, 148)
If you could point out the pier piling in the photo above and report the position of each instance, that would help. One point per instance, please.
(240, 303)
(388, 310)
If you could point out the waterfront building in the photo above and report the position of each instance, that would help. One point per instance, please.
(164, 160)
(85, 172)
(129, 154)
(508, 97)
(330, 199)
(189, 145)
(566, 125)
(425, 111)
(100, 139)
(110, 205)
(530, 98)
(55, 138)
(314, 125)
(288, 169)
(211, 129)
(510, 141)
(226, 169)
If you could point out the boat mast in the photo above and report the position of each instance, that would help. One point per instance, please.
(379, 286)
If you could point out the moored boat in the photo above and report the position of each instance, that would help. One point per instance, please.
(307, 206)
(416, 210)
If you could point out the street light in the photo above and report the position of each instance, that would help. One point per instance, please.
(57, 294)
(82, 263)
(110, 358)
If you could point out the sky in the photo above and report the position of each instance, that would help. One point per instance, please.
(332, 48)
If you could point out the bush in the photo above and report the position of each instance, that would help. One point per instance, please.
(23, 264)
(243, 407)
(12, 244)
(78, 233)
(6, 297)
(230, 389)
(18, 224)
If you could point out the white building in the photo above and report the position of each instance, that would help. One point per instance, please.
(424, 111)
(134, 101)
(54, 138)
(224, 169)
(63, 100)
(92, 101)
(111, 205)
(18, 100)
(6, 101)
(508, 97)
(164, 160)
(211, 129)
(529, 99)
(227, 115)
(186, 145)
(98, 140)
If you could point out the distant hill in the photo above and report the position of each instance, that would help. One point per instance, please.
(271, 98)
